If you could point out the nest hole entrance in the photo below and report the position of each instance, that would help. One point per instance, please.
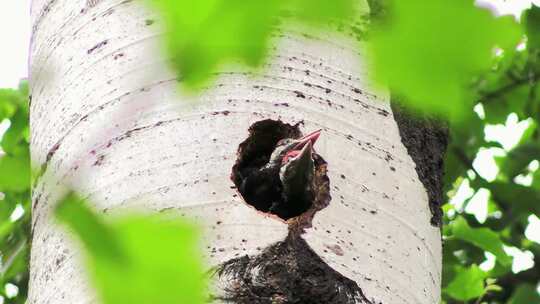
(258, 181)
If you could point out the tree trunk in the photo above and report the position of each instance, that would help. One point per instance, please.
(107, 119)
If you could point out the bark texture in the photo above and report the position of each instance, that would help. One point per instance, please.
(426, 139)
(108, 120)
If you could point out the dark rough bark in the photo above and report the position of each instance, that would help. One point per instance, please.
(426, 139)
(287, 272)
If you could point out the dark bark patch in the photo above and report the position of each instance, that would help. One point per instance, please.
(255, 152)
(92, 3)
(99, 160)
(426, 139)
(299, 94)
(97, 46)
(44, 166)
(286, 272)
(224, 113)
(119, 55)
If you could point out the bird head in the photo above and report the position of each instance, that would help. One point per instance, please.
(289, 149)
(297, 167)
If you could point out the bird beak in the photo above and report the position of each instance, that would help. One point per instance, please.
(298, 171)
(304, 157)
(311, 138)
(301, 147)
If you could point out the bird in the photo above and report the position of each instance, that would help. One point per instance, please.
(282, 186)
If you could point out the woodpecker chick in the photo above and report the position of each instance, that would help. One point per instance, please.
(296, 177)
(283, 185)
(294, 158)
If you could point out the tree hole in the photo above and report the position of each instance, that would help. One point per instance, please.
(273, 174)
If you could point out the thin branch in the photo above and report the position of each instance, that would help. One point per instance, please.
(505, 89)
(466, 161)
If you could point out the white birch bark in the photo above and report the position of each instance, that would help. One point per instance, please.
(107, 119)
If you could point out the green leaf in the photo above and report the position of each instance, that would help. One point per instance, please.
(16, 264)
(525, 294)
(532, 27)
(517, 160)
(15, 172)
(493, 287)
(10, 100)
(14, 140)
(512, 101)
(98, 238)
(520, 199)
(202, 35)
(536, 180)
(7, 206)
(431, 58)
(138, 259)
(483, 238)
(6, 110)
(318, 12)
(467, 284)
(6, 229)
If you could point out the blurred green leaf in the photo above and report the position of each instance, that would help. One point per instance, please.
(468, 284)
(457, 253)
(15, 172)
(16, 263)
(517, 160)
(15, 189)
(536, 180)
(532, 26)
(525, 294)
(138, 259)
(14, 140)
(512, 101)
(453, 41)
(519, 198)
(10, 100)
(202, 35)
(499, 270)
(98, 238)
(319, 12)
(6, 228)
(6, 208)
(466, 138)
(484, 238)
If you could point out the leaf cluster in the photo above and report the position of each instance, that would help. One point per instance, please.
(506, 91)
(14, 193)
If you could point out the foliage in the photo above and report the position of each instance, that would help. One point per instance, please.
(468, 283)
(453, 41)
(137, 259)
(14, 192)
(205, 34)
(507, 91)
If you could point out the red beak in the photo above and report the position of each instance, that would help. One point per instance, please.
(311, 137)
